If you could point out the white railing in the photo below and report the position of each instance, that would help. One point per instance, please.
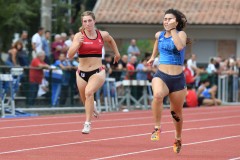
(228, 89)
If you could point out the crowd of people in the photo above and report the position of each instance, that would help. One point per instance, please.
(202, 82)
(37, 53)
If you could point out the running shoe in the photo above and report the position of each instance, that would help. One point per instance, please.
(177, 146)
(155, 134)
(86, 128)
(95, 111)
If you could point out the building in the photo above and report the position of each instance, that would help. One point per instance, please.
(213, 25)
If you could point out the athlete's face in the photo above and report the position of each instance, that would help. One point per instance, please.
(88, 22)
(168, 21)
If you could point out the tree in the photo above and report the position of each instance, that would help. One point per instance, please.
(17, 15)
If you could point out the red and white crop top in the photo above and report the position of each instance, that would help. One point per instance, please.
(91, 47)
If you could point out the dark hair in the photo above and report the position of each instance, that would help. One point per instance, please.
(40, 28)
(180, 18)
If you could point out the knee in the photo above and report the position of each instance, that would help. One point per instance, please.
(89, 93)
(158, 97)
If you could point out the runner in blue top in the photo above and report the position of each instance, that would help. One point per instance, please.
(169, 79)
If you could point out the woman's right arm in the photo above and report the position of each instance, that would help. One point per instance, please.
(155, 49)
(77, 42)
(14, 56)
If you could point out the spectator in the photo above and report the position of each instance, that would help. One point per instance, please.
(36, 76)
(191, 97)
(142, 70)
(190, 80)
(24, 40)
(131, 68)
(211, 69)
(66, 67)
(206, 95)
(46, 46)
(133, 49)
(57, 47)
(37, 42)
(22, 54)
(142, 74)
(12, 56)
(122, 66)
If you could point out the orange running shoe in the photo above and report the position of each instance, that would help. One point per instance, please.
(177, 146)
(155, 134)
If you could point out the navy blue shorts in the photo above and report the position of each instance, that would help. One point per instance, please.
(173, 82)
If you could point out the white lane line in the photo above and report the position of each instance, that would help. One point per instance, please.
(113, 138)
(162, 148)
(238, 158)
(121, 119)
(70, 131)
(81, 115)
(109, 120)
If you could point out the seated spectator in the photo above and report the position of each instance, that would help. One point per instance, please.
(191, 97)
(207, 96)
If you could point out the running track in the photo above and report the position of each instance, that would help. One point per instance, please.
(208, 133)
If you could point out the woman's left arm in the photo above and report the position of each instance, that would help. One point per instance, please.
(179, 39)
(111, 42)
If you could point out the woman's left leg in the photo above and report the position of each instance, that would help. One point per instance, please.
(176, 104)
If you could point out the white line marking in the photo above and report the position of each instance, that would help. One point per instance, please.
(112, 127)
(111, 120)
(150, 150)
(235, 158)
(81, 115)
(113, 138)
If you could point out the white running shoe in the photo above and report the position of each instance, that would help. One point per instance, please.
(86, 128)
(95, 111)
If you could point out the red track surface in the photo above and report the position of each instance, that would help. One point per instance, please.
(208, 133)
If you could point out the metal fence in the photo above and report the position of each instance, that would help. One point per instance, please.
(117, 93)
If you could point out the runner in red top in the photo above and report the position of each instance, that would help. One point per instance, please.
(90, 75)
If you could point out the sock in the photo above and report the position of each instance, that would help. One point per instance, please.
(178, 138)
(157, 127)
(87, 122)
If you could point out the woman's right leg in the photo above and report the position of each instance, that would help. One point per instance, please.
(160, 90)
(81, 84)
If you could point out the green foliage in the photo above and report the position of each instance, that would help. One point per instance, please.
(15, 16)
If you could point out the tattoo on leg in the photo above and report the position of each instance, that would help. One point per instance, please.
(174, 115)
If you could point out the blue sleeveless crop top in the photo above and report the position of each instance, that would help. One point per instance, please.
(168, 51)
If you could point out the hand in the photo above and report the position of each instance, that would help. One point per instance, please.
(116, 58)
(150, 61)
(80, 37)
(172, 24)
